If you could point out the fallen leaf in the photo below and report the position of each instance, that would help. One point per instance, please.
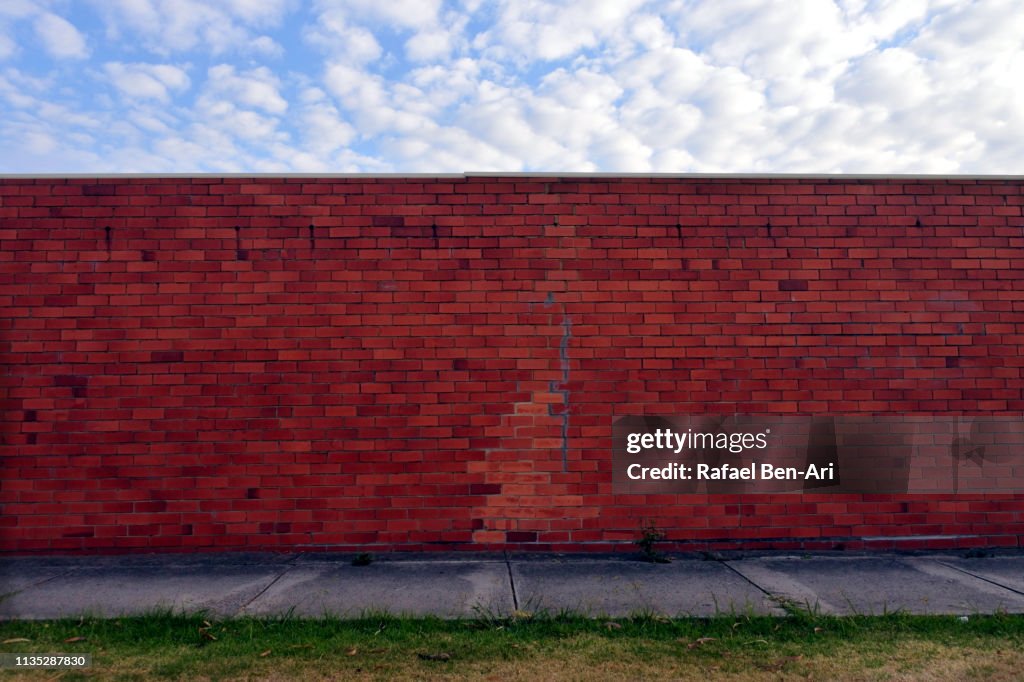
(700, 641)
(613, 626)
(352, 652)
(264, 654)
(75, 639)
(817, 629)
(207, 635)
(17, 639)
(435, 657)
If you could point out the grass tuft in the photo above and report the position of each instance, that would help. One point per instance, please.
(175, 646)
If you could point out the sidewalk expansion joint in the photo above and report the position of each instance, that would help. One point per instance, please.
(775, 599)
(979, 577)
(37, 584)
(263, 591)
(511, 582)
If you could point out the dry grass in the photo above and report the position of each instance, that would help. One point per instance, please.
(565, 648)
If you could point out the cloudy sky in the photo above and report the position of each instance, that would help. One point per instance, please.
(341, 86)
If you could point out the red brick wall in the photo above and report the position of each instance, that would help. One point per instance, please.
(435, 363)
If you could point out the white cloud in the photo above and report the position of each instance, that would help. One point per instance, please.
(147, 81)
(14, 87)
(167, 26)
(650, 32)
(10, 12)
(432, 42)
(540, 29)
(267, 46)
(446, 149)
(323, 127)
(443, 85)
(18, 9)
(408, 14)
(363, 94)
(612, 85)
(7, 46)
(254, 88)
(60, 38)
(153, 121)
(39, 143)
(349, 29)
(260, 12)
(336, 35)
(428, 45)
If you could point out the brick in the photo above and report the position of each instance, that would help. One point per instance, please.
(103, 190)
(73, 380)
(167, 356)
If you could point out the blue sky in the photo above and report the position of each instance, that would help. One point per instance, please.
(399, 86)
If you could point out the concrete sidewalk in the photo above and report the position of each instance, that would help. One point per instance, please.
(469, 585)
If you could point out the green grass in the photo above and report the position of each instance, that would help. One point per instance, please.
(800, 646)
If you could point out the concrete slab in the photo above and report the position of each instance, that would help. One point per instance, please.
(623, 587)
(782, 587)
(1007, 571)
(466, 585)
(443, 588)
(118, 589)
(873, 585)
(339, 558)
(22, 573)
